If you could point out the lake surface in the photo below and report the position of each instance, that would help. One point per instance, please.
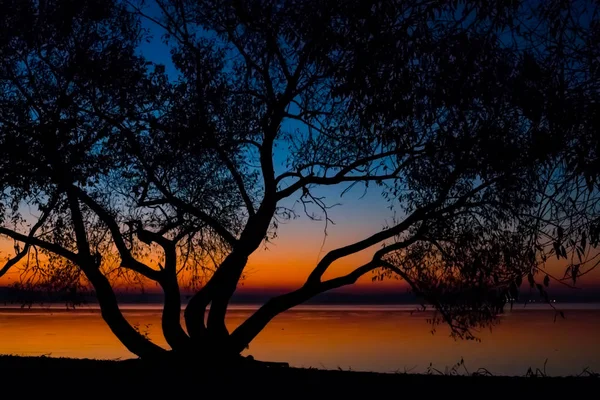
(368, 338)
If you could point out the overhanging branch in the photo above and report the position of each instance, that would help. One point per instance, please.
(169, 197)
(11, 262)
(338, 253)
(238, 180)
(34, 241)
(248, 330)
(196, 212)
(127, 258)
(341, 176)
(257, 321)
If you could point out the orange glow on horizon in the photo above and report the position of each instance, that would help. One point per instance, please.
(286, 263)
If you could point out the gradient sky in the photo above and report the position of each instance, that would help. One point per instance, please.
(287, 261)
(300, 243)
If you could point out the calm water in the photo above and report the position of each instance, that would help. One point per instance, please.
(385, 339)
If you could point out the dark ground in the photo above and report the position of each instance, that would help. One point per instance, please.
(30, 377)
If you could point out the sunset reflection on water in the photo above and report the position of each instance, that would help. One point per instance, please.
(385, 339)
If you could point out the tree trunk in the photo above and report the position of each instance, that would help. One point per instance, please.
(171, 316)
(195, 312)
(109, 307)
(221, 287)
(252, 326)
(230, 272)
(247, 331)
(226, 282)
(217, 293)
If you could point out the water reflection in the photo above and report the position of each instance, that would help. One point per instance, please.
(371, 338)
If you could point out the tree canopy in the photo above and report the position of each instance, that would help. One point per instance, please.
(475, 120)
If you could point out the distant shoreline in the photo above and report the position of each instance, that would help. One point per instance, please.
(150, 307)
(246, 296)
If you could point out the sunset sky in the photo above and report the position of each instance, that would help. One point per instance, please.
(287, 261)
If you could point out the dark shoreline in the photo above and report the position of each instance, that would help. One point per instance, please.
(85, 378)
(246, 296)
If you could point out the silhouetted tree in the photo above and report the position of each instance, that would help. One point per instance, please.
(72, 87)
(475, 120)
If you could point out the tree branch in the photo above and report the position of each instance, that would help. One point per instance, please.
(11, 262)
(209, 220)
(150, 237)
(340, 176)
(107, 300)
(416, 216)
(127, 259)
(172, 199)
(33, 241)
(246, 332)
(238, 180)
(345, 251)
